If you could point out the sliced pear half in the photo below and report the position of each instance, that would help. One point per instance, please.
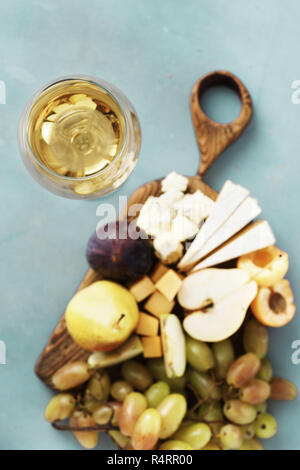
(202, 288)
(220, 299)
(131, 348)
(173, 341)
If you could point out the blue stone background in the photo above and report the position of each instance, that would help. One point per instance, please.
(154, 52)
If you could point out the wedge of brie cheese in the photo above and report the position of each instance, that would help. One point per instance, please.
(254, 237)
(230, 198)
(245, 213)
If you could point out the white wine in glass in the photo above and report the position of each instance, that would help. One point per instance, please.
(79, 137)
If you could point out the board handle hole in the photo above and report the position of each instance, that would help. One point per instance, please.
(220, 101)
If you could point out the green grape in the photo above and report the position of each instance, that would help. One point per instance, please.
(254, 392)
(99, 386)
(231, 436)
(242, 370)
(199, 355)
(71, 375)
(103, 414)
(203, 384)
(211, 446)
(120, 389)
(172, 410)
(156, 393)
(210, 412)
(265, 426)
(157, 369)
(248, 431)
(146, 430)
(186, 422)
(216, 427)
(224, 354)
(97, 390)
(89, 402)
(266, 371)
(251, 444)
(116, 407)
(175, 445)
(132, 407)
(261, 408)
(238, 412)
(282, 389)
(136, 375)
(256, 338)
(177, 384)
(119, 439)
(60, 407)
(196, 435)
(88, 439)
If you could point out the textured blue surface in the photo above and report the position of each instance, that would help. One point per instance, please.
(154, 52)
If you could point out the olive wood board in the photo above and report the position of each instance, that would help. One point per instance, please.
(212, 138)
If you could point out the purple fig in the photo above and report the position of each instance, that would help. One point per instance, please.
(114, 255)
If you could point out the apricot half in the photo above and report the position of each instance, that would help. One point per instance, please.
(274, 306)
(266, 266)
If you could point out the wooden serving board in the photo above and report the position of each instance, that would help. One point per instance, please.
(212, 138)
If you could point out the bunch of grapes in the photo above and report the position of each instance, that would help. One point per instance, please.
(220, 403)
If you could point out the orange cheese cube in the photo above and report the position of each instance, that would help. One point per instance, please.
(142, 288)
(147, 325)
(169, 284)
(158, 304)
(152, 346)
(159, 270)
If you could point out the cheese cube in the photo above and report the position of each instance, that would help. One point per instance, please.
(158, 304)
(155, 217)
(147, 325)
(142, 288)
(183, 228)
(167, 248)
(169, 284)
(159, 270)
(171, 196)
(152, 346)
(174, 181)
(196, 206)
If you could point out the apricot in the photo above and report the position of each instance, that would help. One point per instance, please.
(266, 266)
(274, 306)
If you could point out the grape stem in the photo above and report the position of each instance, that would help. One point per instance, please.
(98, 427)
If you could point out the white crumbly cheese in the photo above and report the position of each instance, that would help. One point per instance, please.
(196, 206)
(183, 228)
(171, 197)
(173, 217)
(167, 248)
(174, 181)
(155, 217)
